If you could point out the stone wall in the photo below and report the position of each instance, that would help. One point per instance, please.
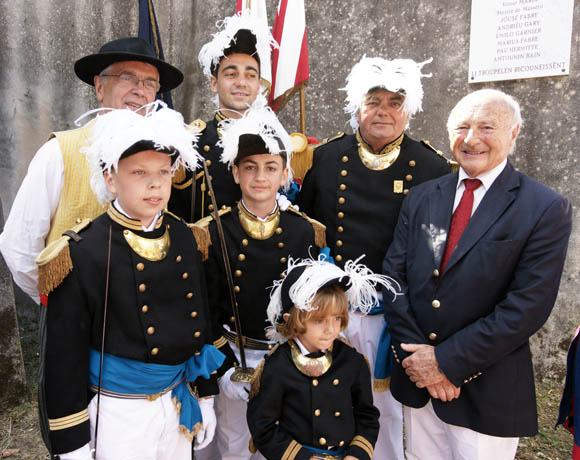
(41, 39)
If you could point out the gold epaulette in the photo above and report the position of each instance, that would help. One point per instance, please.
(178, 179)
(200, 230)
(197, 126)
(54, 262)
(319, 227)
(330, 139)
(257, 375)
(452, 164)
(301, 160)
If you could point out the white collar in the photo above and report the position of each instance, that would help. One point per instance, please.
(487, 178)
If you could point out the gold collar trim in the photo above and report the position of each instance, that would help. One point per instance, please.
(312, 367)
(127, 222)
(385, 158)
(255, 228)
(219, 116)
(151, 249)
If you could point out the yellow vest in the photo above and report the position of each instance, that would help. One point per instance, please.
(77, 200)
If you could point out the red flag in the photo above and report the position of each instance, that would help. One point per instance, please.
(290, 69)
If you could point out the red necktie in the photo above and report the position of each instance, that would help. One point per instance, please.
(460, 218)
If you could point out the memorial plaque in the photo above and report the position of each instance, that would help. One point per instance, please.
(513, 39)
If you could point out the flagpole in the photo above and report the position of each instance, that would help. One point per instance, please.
(302, 109)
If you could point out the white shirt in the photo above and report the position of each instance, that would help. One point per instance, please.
(28, 224)
(487, 179)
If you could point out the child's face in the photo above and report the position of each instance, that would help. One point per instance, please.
(142, 184)
(260, 177)
(320, 332)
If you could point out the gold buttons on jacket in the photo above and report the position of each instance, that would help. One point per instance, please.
(189, 295)
(278, 230)
(344, 173)
(150, 330)
(406, 191)
(210, 207)
(322, 441)
(280, 245)
(185, 275)
(338, 258)
(244, 242)
(154, 351)
(232, 319)
(142, 287)
(432, 336)
(342, 187)
(340, 215)
(339, 243)
(345, 159)
(140, 266)
(341, 200)
(408, 178)
(412, 163)
(335, 382)
(78, 220)
(241, 257)
(341, 443)
(238, 273)
(337, 414)
(317, 412)
(315, 383)
(197, 334)
(178, 259)
(436, 273)
(193, 314)
(340, 229)
(435, 303)
(145, 308)
(236, 289)
(206, 149)
(208, 162)
(283, 260)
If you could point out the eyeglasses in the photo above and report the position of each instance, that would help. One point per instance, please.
(149, 84)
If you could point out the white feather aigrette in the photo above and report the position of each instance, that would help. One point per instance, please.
(398, 75)
(361, 289)
(115, 130)
(261, 120)
(211, 53)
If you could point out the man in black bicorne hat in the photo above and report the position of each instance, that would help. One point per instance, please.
(55, 194)
(231, 61)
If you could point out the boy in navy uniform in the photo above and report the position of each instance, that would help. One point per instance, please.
(127, 314)
(260, 238)
(231, 61)
(312, 397)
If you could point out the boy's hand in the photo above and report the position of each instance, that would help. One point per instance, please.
(205, 435)
(233, 390)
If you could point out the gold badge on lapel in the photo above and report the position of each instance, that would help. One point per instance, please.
(398, 186)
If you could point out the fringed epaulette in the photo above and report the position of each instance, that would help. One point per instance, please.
(54, 262)
(200, 230)
(453, 165)
(319, 227)
(330, 139)
(197, 126)
(303, 154)
(256, 377)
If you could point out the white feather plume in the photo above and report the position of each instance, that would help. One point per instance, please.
(116, 130)
(261, 120)
(211, 53)
(394, 76)
(361, 289)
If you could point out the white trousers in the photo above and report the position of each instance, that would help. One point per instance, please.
(232, 434)
(428, 437)
(363, 332)
(138, 429)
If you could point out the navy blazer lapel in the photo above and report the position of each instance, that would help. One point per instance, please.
(440, 210)
(496, 200)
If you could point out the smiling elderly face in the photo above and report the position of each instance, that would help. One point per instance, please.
(482, 131)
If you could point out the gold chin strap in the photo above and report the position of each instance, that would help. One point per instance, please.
(387, 156)
(150, 249)
(255, 228)
(312, 367)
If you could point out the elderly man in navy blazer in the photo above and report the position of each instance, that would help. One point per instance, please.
(479, 255)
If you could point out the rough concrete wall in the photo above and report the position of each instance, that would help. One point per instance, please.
(43, 38)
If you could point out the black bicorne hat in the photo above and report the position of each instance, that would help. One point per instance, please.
(243, 42)
(127, 49)
(253, 144)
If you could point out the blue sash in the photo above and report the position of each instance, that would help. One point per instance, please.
(314, 450)
(123, 377)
